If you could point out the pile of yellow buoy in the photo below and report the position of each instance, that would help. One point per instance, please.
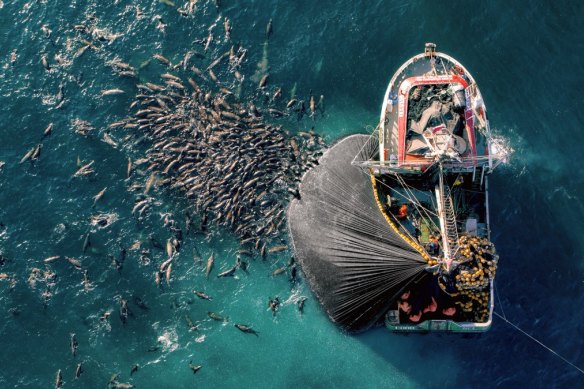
(477, 265)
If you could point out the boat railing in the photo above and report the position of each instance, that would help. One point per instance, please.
(369, 152)
(368, 158)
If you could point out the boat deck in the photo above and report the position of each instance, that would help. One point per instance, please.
(430, 100)
(432, 298)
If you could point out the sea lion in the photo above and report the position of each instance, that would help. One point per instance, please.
(36, 153)
(227, 28)
(86, 242)
(157, 279)
(216, 316)
(194, 368)
(263, 81)
(273, 305)
(86, 283)
(167, 274)
(163, 60)
(246, 329)
(269, 29)
(84, 170)
(98, 196)
(192, 326)
(52, 259)
(278, 271)
(203, 295)
(293, 273)
(78, 370)
(301, 304)
(140, 303)
(124, 311)
(45, 62)
(320, 104)
(121, 385)
(75, 262)
(48, 130)
(209, 266)
(59, 380)
(112, 92)
(228, 273)
(27, 155)
(165, 264)
(73, 344)
(129, 168)
(277, 249)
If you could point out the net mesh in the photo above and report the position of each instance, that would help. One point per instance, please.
(355, 263)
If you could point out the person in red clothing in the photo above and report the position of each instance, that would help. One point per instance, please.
(403, 212)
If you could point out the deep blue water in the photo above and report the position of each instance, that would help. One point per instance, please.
(527, 59)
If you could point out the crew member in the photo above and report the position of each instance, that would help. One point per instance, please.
(403, 212)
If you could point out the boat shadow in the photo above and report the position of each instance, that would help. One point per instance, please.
(428, 359)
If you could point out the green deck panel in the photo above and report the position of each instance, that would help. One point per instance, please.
(424, 231)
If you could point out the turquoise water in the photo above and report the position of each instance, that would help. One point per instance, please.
(527, 58)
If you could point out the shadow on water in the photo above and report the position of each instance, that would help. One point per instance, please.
(427, 359)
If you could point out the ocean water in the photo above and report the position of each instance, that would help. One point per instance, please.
(527, 58)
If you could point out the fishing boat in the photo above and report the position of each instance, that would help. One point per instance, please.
(430, 179)
(393, 228)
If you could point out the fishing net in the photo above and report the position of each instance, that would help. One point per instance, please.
(355, 263)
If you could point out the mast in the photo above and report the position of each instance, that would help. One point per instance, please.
(448, 226)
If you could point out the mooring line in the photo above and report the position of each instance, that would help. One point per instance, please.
(499, 299)
(540, 343)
